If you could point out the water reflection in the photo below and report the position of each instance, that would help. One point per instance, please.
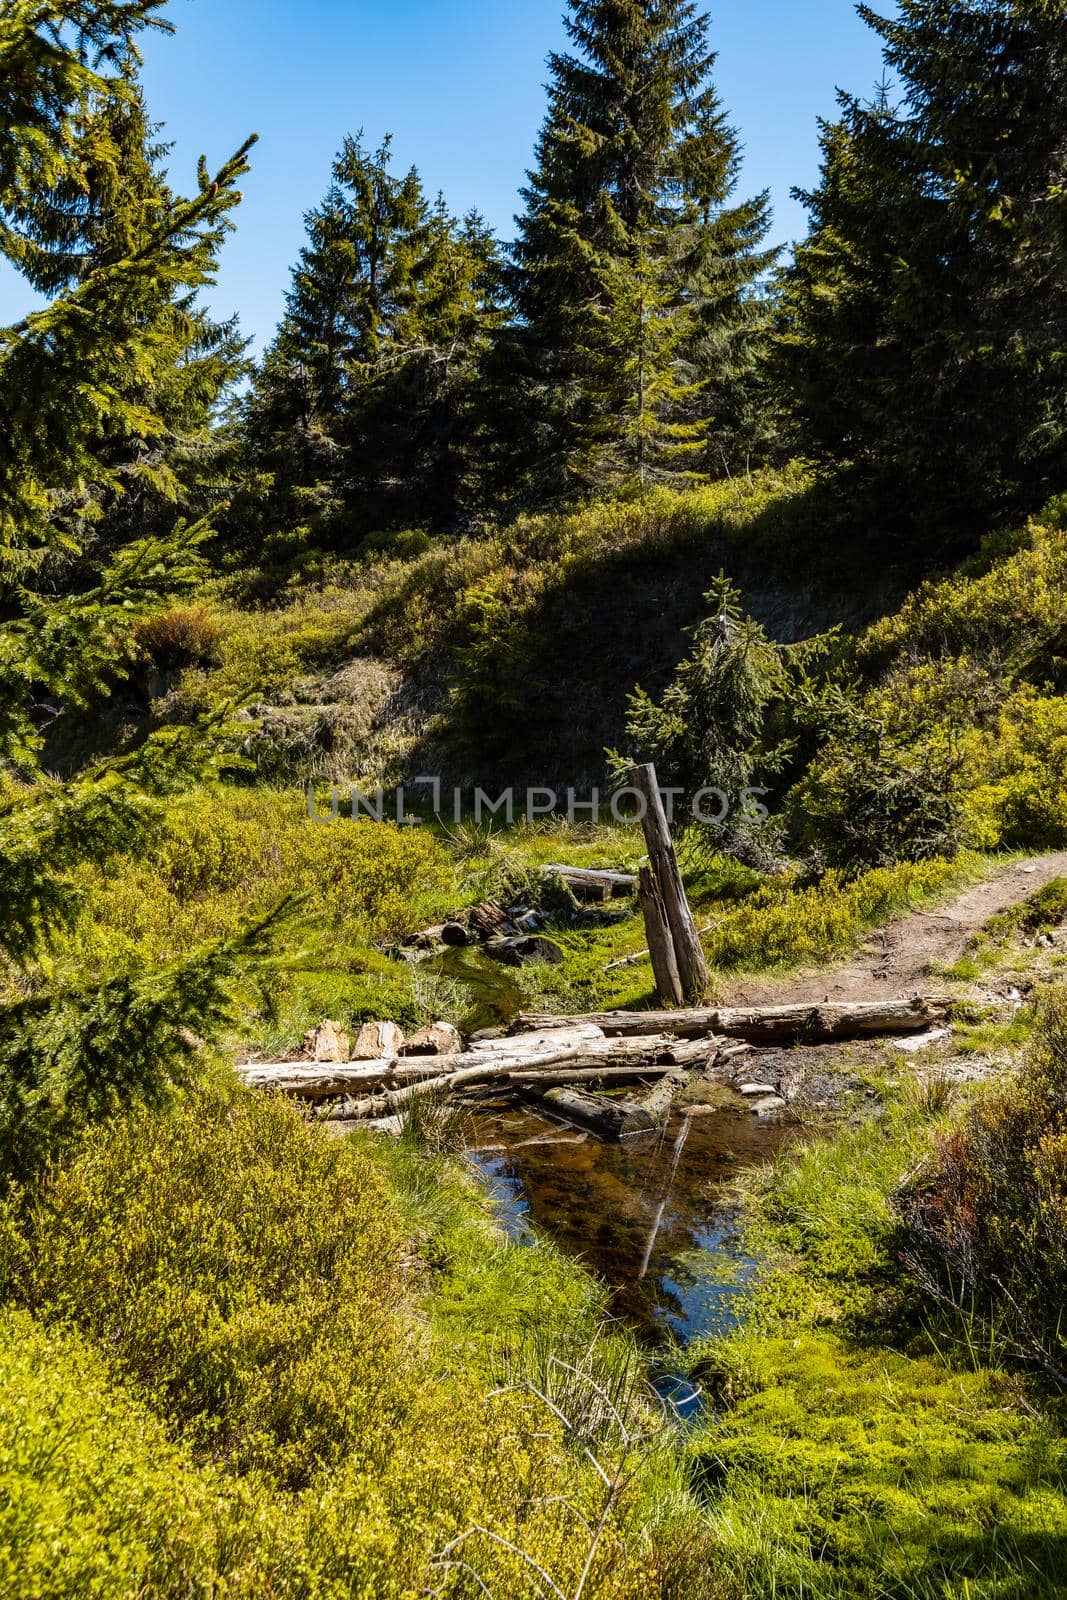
(651, 1219)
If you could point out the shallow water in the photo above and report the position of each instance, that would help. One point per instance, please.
(653, 1219)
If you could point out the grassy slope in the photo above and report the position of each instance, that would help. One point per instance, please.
(509, 656)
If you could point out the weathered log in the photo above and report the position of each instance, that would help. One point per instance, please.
(774, 1024)
(524, 950)
(583, 1048)
(663, 863)
(609, 1119)
(605, 1118)
(315, 1080)
(658, 1101)
(550, 1040)
(666, 1059)
(592, 883)
(660, 940)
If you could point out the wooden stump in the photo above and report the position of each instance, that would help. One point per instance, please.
(688, 954)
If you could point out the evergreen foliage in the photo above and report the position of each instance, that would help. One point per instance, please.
(85, 388)
(924, 325)
(632, 274)
(362, 412)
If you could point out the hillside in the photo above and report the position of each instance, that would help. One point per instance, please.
(533, 813)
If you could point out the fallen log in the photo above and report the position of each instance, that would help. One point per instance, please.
(315, 1080)
(489, 1068)
(583, 1048)
(766, 1024)
(658, 1101)
(592, 883)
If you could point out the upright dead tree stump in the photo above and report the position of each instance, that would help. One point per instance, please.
(677, 957)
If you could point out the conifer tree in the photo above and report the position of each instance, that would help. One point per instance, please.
(924, 331)
(73, 1042)
(359, 409)
(620, 278)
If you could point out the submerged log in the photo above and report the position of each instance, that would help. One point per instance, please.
(609, 1119)
(767, 1024)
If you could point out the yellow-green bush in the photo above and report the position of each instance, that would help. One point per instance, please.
(781, 925)
(224, 852)
(247, 1280)
(1010, 610)
(962, 706)
(1014, 777)
(96, 1500)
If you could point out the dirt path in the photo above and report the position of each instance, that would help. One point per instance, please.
(896, 960)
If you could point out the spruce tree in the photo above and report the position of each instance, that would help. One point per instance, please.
(620, 279)
(924, 331)
(77, 1042)
(361, 409)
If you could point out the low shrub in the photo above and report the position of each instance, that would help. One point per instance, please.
(357, 1353)
(97, 1500)
(784, 925)
(985, 1216)
(241, 1269)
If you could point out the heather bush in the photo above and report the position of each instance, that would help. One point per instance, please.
(984, 1218)
(97, 1500)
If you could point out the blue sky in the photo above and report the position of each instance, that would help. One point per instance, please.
(459, 83)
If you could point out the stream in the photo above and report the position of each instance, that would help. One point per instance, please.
(652, 1218)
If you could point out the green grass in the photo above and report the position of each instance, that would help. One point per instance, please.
(860, 1449)
(228, 851)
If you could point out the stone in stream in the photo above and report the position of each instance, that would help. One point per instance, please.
(756, 1088)
(769, 1106)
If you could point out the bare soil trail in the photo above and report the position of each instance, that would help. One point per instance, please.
(896, 959)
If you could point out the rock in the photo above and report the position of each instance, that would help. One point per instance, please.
(439, 1039)
(377, 1039)
(528, 922)
(525, 951)
(454, 933)
(921, 1041)
(768, 1107)
(756, 1088)
(327, 1042)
